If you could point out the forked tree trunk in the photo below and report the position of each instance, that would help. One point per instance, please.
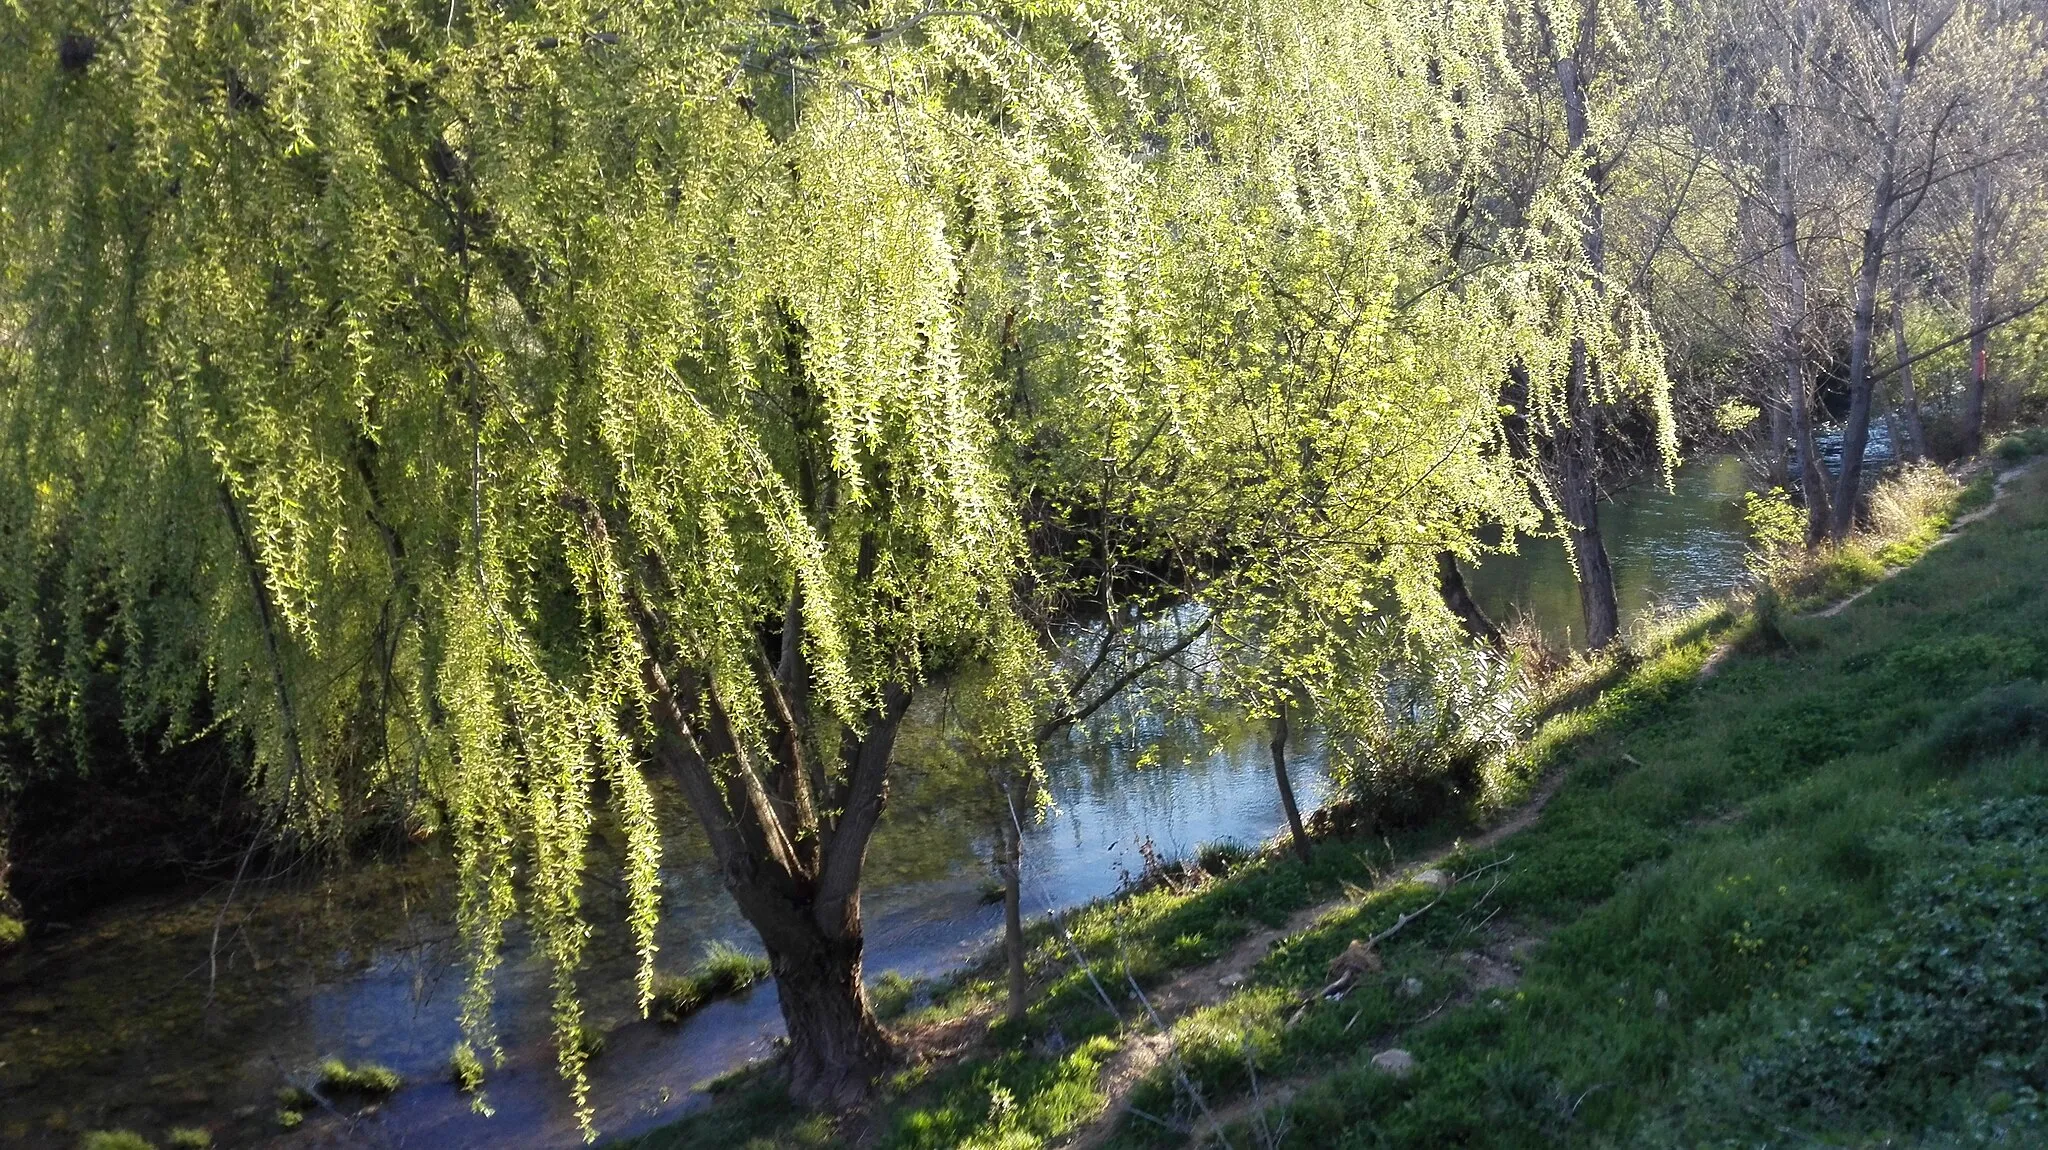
(1279, 745)
(791, 862)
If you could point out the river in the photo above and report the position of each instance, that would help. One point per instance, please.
(122, 1020)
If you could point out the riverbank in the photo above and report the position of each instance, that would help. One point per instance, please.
(1714, 908)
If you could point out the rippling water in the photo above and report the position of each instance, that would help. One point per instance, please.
(1670, 548)
(1134, 777)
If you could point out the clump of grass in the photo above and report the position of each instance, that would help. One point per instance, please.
(115, 1140)
(295, 1098)
(189, 1138)
(465, 1069)
(1222, 856)
(891, 994)
(12, 931)
(289, 1119)
(725, 970)
(364, 1078)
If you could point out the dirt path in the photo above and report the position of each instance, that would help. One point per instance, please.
(1214, 981)
(1998, 486)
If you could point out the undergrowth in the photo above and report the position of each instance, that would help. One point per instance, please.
(1800, 900)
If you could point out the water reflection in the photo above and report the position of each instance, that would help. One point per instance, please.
(1669, 548)
(1126, 780)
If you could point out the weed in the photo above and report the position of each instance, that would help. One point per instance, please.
(289, 1119)
(189, 1138)
(1222, 856)
(12, 931)
(365, 1079)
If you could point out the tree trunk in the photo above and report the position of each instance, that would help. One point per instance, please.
(836, 1048)
(1812, 481)
(1009, 842)
(1909, 399)
(1294, 825)
(1778, 460)
(1863, 316)
(1573, 449)
(1450, 584)
(1980, 301)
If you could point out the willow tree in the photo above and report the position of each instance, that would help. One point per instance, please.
(476, 407)
(480, 406)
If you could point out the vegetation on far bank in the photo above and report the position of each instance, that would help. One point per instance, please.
(1799, 900)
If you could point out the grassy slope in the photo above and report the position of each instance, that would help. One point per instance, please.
(1728, 858)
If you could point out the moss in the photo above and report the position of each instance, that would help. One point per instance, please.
(364, 1078)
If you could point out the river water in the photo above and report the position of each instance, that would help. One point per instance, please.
(390, 994)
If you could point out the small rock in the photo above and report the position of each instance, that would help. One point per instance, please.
(1663, 1000)
(1396, 1062)
(1410, 988)
(1434, 879)
(1231, 981)
(241, 1112)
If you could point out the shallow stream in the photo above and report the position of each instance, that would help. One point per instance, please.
(126, 1020)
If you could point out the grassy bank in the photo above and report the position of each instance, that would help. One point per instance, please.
(1801, 900)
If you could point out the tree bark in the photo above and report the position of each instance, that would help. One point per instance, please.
(793, 869)
(836, 1048)
(1450, 584)
(1009, 842)
(1980, 301)
(1279, 744)
(1573, 456)
(1812, 481)
(1863, 317)
(1909, 399)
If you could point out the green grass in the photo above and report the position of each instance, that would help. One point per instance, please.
(1803, 901)
(365, 1079)
(725, 970)
(115, 1140)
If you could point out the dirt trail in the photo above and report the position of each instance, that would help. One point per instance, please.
(1998, 486)
(1214, 981)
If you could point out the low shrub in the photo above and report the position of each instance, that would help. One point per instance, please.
(892, 994)
(2022, 444)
